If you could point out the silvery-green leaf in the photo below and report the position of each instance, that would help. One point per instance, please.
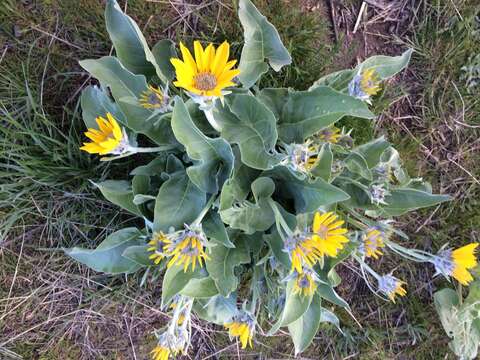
(323, 166)
(403, 200)
(222, 263)
(307, 112)
(213, 158)
(217, 309)
(107, 257)
(138, 254)
(328, 316)
(249, 123)
(262, 42)
(130, 44)
(303, 330)
(215, 229)
(373, 150)
(175, 279)
(163, 51)
(96, 102)
(200, 288)
(120, 193)
(179, 201)
(357, 164)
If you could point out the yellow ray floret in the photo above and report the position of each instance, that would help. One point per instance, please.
(391, 286)
(370, 83)
(186, 250)
(208, 73)
(464, 259)
(330, 135)
(160, 353)
(242, 330)
(302, 251)
(156, 246)
(305, 284)
(153, 98)
(373, 241)
(106, 139)
(328, 235)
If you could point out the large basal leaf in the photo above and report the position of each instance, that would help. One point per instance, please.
(222, 263)
(217, 309)
(163, 51)
(138, 254)
(179, 201)
(295, 307)
(303, 330)
(307, 112)
(107, 257)
(126, 88)
(262, 42)
(401, 201)
(200, 288)
(373, 150)
(213, 158)
(323, 166)
(215, 230)
(247, 216)
(130, 44)
(250, 124)
(385, 66)
(120, 193)
(96, 102)
(175, 279)
(308, 195)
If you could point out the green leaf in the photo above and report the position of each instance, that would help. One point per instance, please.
(403, 200)
(323, 167)
(385, 66)
(303, 330)
(357, 164)
(328, 316)
(222, 263)
(163, 51)
(307, 112)
(200, 288)
(153, 168)
(251, 217)
(130, 44)
(120, 193)
(262, 41)
(295, 307)
(327, 292)
(217, 310)
(373, 150)
(179, 201)
(250, 124)
(107, 257)
(138, 254)
(307, 195)
(446, 301)
(215, 230)
(213, 158)
(96, 102)
(175, 279)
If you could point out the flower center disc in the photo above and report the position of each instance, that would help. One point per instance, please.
(323, 232)
(205, 81)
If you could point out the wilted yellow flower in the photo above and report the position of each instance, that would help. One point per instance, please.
(373, 241)
(243, 327)
(305, 283)
(154, 98)
(456, 263)
(370, 83)
(209, 73)
(328, 235)
(302, 251)
(156, 245)
(186, 249)
(391, 286)
(329, 135)
(107, 139)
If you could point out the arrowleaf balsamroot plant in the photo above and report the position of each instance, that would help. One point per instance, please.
(246, 190)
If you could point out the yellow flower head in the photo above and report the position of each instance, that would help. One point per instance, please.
(160, 353)
(301, 157)
(329, 135)
(456, 263)
(305, 283)
(328, 235)
(391, 286)
(370, 83)
(373, 241)
(302, 251)
(156, 246)
(186, 249)
(209, 73)
(154, 99)
(243, 327)
(107, 139)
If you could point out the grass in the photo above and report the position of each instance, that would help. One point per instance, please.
(430, 113)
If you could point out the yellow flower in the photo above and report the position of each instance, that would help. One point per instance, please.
(209, 73)
(153, 98)
(329, 135)
(156, 245)
(107, 139)
(305, 284)
(391, 286)
(373, 241)
(328, 235)
(301, 157)
(302, 251)
(456, 263)
(243, 327)
(370, 83)
(186, 249)
(160, 353)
